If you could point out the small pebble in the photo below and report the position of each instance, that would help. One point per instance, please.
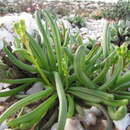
(104, 122)
(4, 85)
(96, 111)
(3, 126)
(89, 118)
(124, 123)
(54, 127)
(37, 87)
(2, 108)
(73, 124)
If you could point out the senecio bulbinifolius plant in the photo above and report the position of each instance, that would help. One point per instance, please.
(70, 76)
(120, 32)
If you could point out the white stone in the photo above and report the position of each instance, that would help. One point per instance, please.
(54, 127)
(74, 30)
(4, 85)
(2, 108)
(1, 45)
(84, 30)
(73, 124)
(65, 22)
(104, 123)
(37, 87)
(3, 126)
(124, 123)
(82, 6)
(6, 25)
(85, 41)
(89, 118)
(96, 111)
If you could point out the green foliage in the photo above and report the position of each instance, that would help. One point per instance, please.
(77, 20)
(5, 10)
(97, 14)
(120, 32)
(69, 70)
(97, 17)
(120, 10)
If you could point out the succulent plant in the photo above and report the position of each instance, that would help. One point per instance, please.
(120, 32)
(70, 77)
(118, 11)
(77, 20)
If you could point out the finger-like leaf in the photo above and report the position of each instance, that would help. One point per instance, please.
(14, 91)
(70, 106)
(78, 66)
(38, 53)
(34, 115)
(57, 40)
(62, 102)
(106, 40)
(46, 41)
(20, 81)
(23, 102)
(19, 63)
(24, 53)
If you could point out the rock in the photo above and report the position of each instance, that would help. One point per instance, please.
(2, 108)
(93, 6)
(124, 123)
(37, 87)
(6, 25)
(3, 99)
(4, 85)
(84, 30)
(85, 41)
(73, 124)
(54, 127)
(1, 45)
(96, 111)
(89, 119)
(74, 30)
(104, 123)
(82, 5)
(93, 29)
(65, 22)
(3, 126)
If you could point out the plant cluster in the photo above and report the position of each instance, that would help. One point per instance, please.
(5, 10)
(120, 10)
(71, 74)
(97, 14)
(120, 32)
(77, 20)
